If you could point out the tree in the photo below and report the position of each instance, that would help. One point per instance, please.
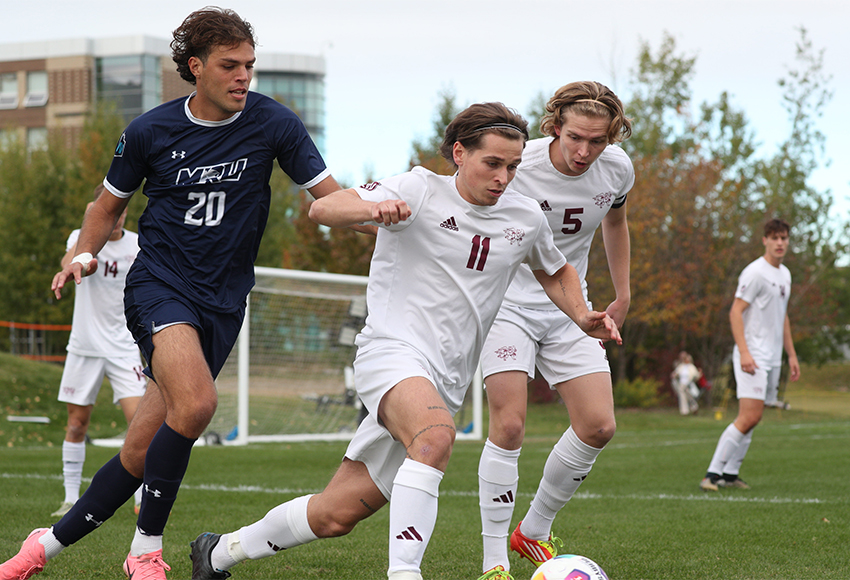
(697, 209)
(43, 195)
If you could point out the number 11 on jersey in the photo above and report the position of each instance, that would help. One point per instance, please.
(480, 249)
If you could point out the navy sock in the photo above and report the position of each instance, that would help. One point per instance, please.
(165, 466)
(110, 487)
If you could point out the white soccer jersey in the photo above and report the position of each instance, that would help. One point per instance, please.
(99, 327)
(437, 279)
(573, 205)
(766, 289)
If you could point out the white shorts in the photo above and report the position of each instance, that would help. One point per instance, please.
(373, 445)
(83, 375)
(382, 364)
(763, 385)
(522, 338)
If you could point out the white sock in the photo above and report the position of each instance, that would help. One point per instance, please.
(726, 448)
(498, 474)
(144, 544)
(52, 546)
(137, 496)
(73, 457)
(733, 466)
(567, 466)
(284, 526)
(413, 514)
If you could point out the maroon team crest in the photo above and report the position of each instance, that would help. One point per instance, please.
(603, 199)
(370, 186)
(514, 235)
(506, 352)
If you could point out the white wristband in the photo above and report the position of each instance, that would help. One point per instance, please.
(84, 260)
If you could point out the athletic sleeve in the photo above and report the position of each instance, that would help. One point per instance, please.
(72, 240)
(410, 187)
(749, 285)
(129, 162)
(627, 171)
(295, 150)
(544, 255)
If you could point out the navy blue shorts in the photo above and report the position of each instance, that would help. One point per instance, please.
(149, 304)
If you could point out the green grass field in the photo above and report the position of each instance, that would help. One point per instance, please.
(640, 514)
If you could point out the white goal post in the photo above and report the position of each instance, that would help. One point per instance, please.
(289, 378)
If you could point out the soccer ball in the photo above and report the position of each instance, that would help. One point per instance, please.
(569, 567)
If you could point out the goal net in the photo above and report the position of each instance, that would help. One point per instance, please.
(290, 378)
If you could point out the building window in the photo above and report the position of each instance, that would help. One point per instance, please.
(133, 82)
(36, 138)
(8, 91)
(36, 89)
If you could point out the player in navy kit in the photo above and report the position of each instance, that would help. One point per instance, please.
(205, 161)
(447, 249)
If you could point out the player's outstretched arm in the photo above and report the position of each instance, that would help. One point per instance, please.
(98, 224)
(564, 289)
(615, 233)
(345, 208)
(328, 186)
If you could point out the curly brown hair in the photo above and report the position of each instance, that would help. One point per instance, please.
(776, 226)
(590, 99)
(471, 124)
(205, 29)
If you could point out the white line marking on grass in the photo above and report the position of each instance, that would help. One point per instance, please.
(721, 496)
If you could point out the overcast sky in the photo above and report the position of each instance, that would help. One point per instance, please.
(388, 60)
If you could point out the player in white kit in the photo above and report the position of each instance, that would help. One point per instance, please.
(99, 345)
(580, 179)
(761, 329)
(446, 251)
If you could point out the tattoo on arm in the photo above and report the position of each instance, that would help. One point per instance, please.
(367, 506)
(562, 286)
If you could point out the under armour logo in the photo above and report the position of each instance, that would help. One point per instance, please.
(409, 534)
(90, 518)
(180, 154)
(153, 492)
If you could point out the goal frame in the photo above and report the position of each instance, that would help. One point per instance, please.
(244, 437)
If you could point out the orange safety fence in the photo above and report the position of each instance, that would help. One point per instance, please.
(28, 326)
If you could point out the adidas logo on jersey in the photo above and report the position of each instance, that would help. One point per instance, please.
(544, 205)
(504, 498)
(450, 224)
(409, 534)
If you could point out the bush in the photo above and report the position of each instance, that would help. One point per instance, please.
(640, 393)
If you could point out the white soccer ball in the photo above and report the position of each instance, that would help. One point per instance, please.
(569, 567)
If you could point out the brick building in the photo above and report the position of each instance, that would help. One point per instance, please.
(49, 87)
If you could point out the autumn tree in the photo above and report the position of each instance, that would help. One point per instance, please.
(698, 206)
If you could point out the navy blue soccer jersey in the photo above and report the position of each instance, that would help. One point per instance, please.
(207, 185)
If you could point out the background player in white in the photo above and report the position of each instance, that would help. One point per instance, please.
(446, 252)
(99, 345)
(761, 329)
(580, 179)
(205, 161)
(683, 378)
